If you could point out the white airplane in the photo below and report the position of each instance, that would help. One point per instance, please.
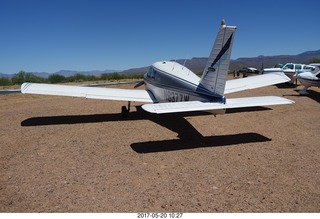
(308, 79)
(171, 87)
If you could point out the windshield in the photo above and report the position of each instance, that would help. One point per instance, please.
(309, 67)
(288, 66)
(315, 70)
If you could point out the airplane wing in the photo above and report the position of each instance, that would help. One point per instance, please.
(88, 92)
(206, 106)
(255, 82)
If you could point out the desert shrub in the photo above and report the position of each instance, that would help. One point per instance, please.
(5, 81)
(56, 78)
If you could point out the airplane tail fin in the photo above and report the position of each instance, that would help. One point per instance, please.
(215, 73)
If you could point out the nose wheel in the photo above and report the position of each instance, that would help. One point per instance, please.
(304, 91)
(125, 111)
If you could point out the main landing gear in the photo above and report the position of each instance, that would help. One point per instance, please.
(125, 111)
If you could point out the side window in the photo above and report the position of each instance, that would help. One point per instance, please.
(298, 67)
(289, 66)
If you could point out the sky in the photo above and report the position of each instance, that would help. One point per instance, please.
(83, 35)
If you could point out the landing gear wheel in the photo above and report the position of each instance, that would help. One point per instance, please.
(304, 91)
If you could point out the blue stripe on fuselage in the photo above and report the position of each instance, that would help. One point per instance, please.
(177, 92)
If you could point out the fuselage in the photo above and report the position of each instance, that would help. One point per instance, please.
(171, 82)
(309, 79)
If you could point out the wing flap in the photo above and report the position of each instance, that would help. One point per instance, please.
(87, 92)
(255, 82)
(206, 106)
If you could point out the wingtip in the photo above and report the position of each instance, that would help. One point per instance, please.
(148, 108)
(24, 87)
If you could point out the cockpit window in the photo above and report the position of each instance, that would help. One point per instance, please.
(316, 72)
(308, 67)
(151, 73)
(298, 67)
(288, 66)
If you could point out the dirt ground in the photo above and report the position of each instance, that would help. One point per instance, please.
(61, 154)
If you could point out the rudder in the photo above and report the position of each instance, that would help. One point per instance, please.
(215, 73)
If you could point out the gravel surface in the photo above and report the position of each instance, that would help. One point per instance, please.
(61, 154)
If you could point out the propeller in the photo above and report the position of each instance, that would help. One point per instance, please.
(139, 84)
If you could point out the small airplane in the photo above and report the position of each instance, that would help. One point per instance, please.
(173, 88)
(308, 79)
(290, 70)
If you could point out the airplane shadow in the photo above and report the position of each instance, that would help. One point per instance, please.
(286, 85)
(137, 115)
(197, 142)
(188, 136)
(74, 119)
(312, 95)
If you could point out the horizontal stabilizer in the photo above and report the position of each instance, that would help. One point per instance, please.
(87, 92)
(255, 82)
(207, 106)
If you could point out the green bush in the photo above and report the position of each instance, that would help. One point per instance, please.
(55, 78)
(19, 78)
(22, 77)
(5, 81)
(314, 60)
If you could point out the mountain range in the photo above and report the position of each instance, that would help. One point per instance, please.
(66, 73)
(197, 64)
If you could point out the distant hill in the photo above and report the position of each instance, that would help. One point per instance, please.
(3, 75)
(136, 70)
(66, 73)
(270, 61)
(198, 64)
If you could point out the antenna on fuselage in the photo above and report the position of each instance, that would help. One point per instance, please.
(174, 63)
(184, 63)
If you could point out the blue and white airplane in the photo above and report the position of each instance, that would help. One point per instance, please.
(308, 79)
(172, 88)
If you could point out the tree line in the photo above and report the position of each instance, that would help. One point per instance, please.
(22, 77)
